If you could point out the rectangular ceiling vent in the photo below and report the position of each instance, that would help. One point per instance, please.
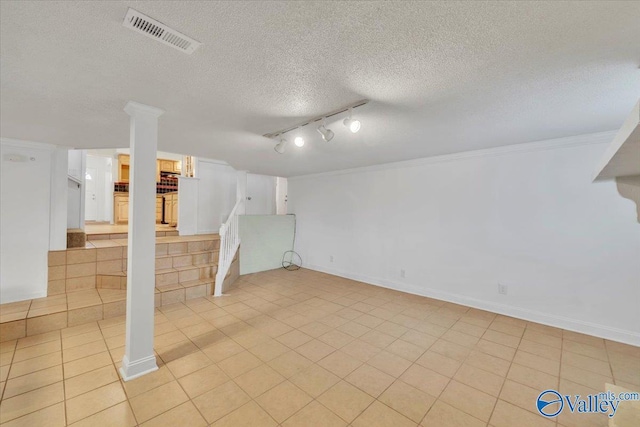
(158, 31)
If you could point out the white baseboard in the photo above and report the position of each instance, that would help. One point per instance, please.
(606, 332)
(10, 296)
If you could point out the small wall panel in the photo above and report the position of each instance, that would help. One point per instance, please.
(264, 239)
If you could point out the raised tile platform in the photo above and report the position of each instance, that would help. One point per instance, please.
(89, 284)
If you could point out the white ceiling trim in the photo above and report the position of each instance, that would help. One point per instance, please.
(528, 147)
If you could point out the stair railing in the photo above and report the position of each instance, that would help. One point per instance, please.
(229, 244)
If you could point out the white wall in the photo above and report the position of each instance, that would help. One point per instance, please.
(76, 164)
(527, 216)
(59, 194)
(188, 206)
(281, 196)
(25, 191)
(261, 195)
(216, 194)
(74, 204)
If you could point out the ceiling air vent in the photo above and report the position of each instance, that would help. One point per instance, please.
(158, 31)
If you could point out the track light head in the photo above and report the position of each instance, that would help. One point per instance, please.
(352, 124)
(299, 141)
(327, 134)
(281, 146)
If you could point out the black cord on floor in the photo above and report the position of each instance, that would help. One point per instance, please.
(292, 264)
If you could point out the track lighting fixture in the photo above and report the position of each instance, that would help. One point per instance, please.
(327, 134)
(281, 146)
(352, 124)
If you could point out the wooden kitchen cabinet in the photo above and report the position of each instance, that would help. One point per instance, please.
(171, 209)
(121, 208)
(162, 165)
(158, 208)
(166, 165)
(167, 209)
(123, 168)
(174, 211)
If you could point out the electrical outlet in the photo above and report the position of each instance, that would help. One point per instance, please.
(330, 258)
(502, 289)
(402, 273)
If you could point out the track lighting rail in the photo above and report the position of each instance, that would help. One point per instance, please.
(318, 118)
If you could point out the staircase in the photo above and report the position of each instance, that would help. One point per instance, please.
(89, 284)
(184, 269)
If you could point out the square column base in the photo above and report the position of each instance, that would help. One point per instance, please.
(132, 370)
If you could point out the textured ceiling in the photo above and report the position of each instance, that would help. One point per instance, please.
(441, 77)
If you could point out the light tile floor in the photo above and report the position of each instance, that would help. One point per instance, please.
(308, 349)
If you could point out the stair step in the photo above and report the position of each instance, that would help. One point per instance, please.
(205, 257)
(190, 277)
(169, 288)
(182, 260)
(164, 277)
(172, 294)
(115, 280)
(164, 262)
(188, 274)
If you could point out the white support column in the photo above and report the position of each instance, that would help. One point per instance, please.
(139, 358)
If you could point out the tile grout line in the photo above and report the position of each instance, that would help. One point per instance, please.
(504, 380)
(560, 372)
(64, 383)
(449, 382)
(120, 380)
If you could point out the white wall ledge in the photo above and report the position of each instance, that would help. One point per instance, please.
(622, 157)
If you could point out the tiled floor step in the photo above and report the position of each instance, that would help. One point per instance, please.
(40, 315)
(116, 280)
(205, 257)
(187, 274)
(78, 269)
(188, 259)
(88, 284)
(171, 294)
(164, 277)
